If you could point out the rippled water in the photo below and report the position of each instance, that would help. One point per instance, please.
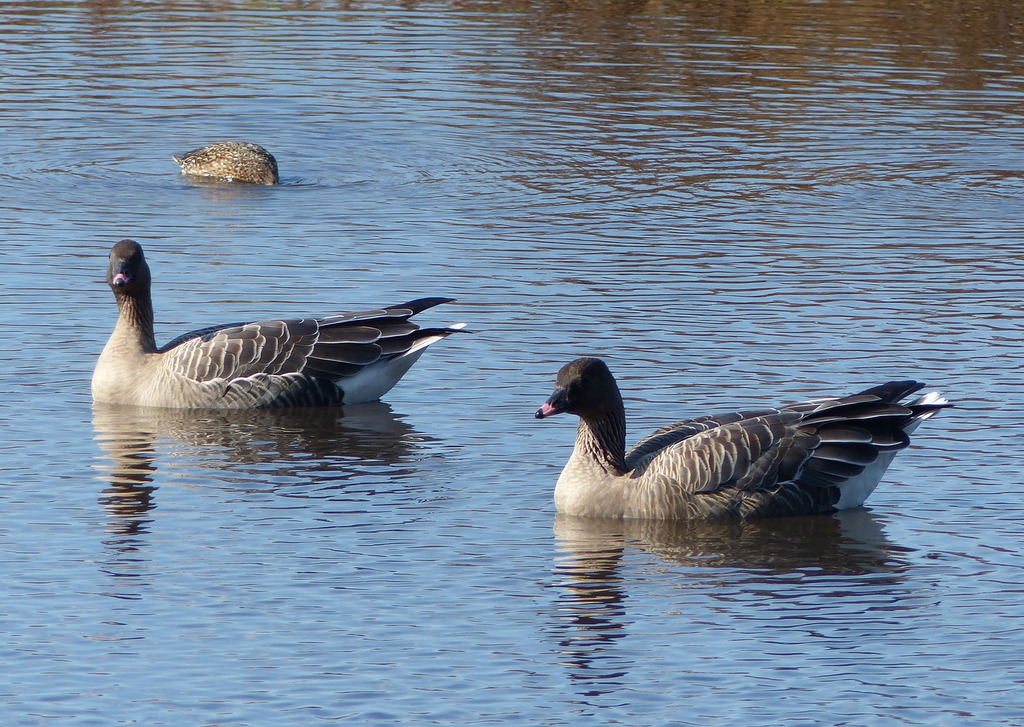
(736, 204)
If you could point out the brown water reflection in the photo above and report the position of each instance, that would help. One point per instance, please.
(980, 35)
(971, 28)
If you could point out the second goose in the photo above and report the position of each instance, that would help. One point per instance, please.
(814, 457)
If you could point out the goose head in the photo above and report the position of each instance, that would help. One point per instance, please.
(128, 274)
(584, 387)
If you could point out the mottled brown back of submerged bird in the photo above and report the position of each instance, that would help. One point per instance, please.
(232, 161)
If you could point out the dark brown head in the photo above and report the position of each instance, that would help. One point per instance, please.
(128, 273)
(584, 387)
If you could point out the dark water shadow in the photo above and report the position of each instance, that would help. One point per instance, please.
(215, 189)
(228, 189)
(590, 612)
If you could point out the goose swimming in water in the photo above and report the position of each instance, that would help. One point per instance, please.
(346, 358)
(814, 457)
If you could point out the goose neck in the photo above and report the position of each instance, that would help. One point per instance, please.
(136, 319)
(602, 438)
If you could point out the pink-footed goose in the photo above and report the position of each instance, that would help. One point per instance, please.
(814, 457)
(347, 358)
(232, 161)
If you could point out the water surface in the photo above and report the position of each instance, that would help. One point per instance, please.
(735, 204)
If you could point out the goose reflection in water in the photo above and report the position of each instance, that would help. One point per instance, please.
(729, 561)
(251, 449)
(129, 497)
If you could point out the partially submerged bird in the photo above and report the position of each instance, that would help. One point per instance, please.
(232, 161)
(813, 457)
(347, 358)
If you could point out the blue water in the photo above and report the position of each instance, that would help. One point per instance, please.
(736, 206)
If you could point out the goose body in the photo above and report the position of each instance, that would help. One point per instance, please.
(347, 358)
(232, 161)
(800, 459)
